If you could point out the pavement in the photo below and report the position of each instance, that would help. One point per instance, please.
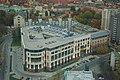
(5, 53)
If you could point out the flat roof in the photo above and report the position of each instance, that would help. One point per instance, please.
(78, 75)
(40, 37)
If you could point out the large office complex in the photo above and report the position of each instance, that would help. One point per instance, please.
(49, 47)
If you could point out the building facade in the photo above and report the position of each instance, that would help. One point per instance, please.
(106, 16)
(99, 40)
(19, 21)
(52, 47)
(115, 28)
(115, 61)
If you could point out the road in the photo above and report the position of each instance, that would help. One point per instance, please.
(6, 57)
(106, 69)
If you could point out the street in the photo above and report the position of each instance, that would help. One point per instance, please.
(6, 58)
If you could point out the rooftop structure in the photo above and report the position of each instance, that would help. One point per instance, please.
(79, 75)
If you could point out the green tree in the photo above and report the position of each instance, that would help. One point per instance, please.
(9, 18)
(2, 15)
(87, 15)
(3, 29)
(98, 16)
(46, 13)
(72, 8)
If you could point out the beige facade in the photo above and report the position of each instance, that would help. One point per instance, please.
(50, 54)
(19, 21)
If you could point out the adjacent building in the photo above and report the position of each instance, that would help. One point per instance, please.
(19, 19)
(106, 16)
(115, 28)
(78, 75)
(115, 61)
(99, 40)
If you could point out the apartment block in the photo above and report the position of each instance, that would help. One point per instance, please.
(115, 28)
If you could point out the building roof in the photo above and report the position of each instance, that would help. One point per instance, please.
(21, 13)
(99, 33)
(47, 36)
(79, 75)
(116, 54)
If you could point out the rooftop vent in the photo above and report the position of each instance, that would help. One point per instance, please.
(31, 36)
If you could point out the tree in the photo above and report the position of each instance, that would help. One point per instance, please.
(46, 13)
(9, 18)
(87, 15)
(2, 15)
(33, 17)
(72, 8)
(96, 23)
(3, 29)
(98, 16)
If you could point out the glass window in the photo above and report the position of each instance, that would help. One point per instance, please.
(56, 56)
(62, 54)
(52, 57)
(31, 66)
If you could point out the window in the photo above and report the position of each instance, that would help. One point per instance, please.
(72, 50)
(65, 52)
(52, 52)
(52, 57)
(59, 55)
(18, 24)
(56, 56)
(56, 51)
(31, 66)
(69, 51)
(65, 47)
(40, 66)
(36, 59)
(62, 54)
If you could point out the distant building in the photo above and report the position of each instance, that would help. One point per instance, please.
(115, 61)
(106, 15)
(115, 28)
(78, 75)
(19, 21)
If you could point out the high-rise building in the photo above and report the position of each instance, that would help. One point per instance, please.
(106, 14)
(115, 27)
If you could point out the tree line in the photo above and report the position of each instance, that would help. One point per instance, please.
(88, 16)
(6, 19)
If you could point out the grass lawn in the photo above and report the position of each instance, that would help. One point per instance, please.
(16, 42)
(16, 37)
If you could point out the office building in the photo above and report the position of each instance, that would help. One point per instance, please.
(47, 47)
